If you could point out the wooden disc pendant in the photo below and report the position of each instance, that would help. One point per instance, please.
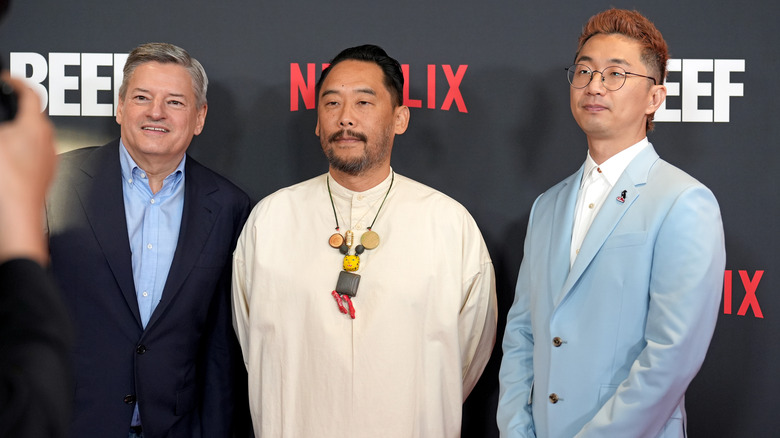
(336, 240)
(370, 239)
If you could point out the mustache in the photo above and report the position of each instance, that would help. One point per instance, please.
(347, 133)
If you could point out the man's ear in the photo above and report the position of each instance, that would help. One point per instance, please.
(401, 119)
(119, 107)
(657, 97)
(201, 122)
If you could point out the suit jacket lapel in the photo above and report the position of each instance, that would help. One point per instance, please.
(563, 222)
(103, 202)
(632, 180)
(198, 216)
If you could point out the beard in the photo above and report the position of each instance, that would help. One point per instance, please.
(373, 153)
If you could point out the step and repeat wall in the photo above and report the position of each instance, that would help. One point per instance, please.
(490, 126)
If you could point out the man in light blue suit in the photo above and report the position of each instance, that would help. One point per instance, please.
(620, 283)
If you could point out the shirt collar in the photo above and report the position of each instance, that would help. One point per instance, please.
(130, 168)
(616, 164)
(374, 192)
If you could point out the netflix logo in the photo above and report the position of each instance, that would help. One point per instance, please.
(303, 78)
(749, 301)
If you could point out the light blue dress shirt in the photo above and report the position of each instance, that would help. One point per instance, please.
(153, 222)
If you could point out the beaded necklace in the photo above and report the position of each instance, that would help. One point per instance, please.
(347, 284)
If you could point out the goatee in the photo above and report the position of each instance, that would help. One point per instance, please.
(354, 166)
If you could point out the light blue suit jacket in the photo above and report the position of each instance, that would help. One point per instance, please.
(608, 347)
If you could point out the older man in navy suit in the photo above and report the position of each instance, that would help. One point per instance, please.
(620, 283)
(141, 237)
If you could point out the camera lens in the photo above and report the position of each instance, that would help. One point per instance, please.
(8, 102)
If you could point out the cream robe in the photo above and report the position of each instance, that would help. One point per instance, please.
(425, 313)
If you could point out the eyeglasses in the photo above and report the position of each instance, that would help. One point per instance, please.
(613, 78)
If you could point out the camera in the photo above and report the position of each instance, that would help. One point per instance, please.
(8, 102)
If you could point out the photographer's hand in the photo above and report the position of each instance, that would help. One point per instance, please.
(27, 164)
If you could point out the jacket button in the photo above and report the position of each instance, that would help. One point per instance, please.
(557, 341)
(141, 349)
(554, 398)
(129, 399)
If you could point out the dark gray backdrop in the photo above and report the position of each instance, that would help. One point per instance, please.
(517, 138)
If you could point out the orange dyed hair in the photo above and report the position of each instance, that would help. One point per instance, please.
(634, 25)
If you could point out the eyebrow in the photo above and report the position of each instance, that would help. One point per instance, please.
(366, 91)
(359, 90)
(144, 90)
(612, 61)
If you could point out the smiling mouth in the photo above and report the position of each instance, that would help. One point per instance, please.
(151, 128)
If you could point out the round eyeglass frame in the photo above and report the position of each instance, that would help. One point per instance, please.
(624, 74)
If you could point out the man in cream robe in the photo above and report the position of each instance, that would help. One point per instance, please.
(425, 309)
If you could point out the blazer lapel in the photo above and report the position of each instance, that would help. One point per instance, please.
(103, 202)
(562, 225)
(198, 216)
(632, 180)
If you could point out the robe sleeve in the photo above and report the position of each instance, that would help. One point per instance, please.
(241, 284)
(478, 314)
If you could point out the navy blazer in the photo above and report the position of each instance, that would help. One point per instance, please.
(184, 369)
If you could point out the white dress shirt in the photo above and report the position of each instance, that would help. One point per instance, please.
(597, 181)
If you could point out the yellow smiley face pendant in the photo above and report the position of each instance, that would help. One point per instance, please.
(351, 263)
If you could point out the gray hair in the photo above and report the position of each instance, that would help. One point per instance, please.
(166, 54)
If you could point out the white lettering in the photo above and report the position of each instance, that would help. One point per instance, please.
(692, 89)
(119, 64)
(18, 69)
(59, 83)
(92, 84)
(721, 89)
(672, 89)
(724, 89)
(82, 89)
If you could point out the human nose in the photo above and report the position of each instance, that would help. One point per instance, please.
(596, 86)
(346, 117)
(157, 109)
